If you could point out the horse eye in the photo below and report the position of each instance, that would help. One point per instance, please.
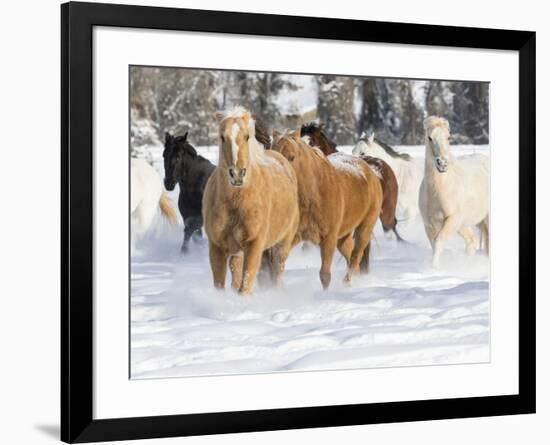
(247, 137)
(223, 139)
(430, 138)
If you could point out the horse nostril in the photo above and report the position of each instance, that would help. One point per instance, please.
(232, 172)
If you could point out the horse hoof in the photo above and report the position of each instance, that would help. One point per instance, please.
(347, 280)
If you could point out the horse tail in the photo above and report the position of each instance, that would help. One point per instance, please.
(399, 238)
(167, 210)
(364, 264)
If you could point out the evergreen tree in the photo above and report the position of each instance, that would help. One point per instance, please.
(470, 118)
(179, 100)
(335, 108)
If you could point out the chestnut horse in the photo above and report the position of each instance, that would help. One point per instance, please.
(339, 198)
(314, 135)
(250, 205)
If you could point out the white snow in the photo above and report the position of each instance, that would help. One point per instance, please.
(403, 313)
(345, 163)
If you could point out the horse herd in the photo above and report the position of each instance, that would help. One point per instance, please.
(267, 194)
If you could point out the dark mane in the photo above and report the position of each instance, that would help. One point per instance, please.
(309, 128)
(389, 150)
(181, 141)
(262, 135)
(188, 149)
(312, 128)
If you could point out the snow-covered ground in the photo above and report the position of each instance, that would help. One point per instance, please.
(404, 313)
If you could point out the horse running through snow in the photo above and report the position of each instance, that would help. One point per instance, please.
(147, 196)
(250, 205)
(314, 135)
(340, 199)
(407, 172)
(454, 195)
(183, 166)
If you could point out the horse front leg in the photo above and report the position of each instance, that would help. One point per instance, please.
(279, 255)
(236, 268)
(328, 246)
(187, 232)
(450, 227)
(218, 264)
(252, 259)
(470, 239)
(196, 227)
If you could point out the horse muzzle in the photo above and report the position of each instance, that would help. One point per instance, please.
(236, 176)
(169, 185)
(441, 164)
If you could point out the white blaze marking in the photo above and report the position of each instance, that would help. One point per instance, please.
(234, 146)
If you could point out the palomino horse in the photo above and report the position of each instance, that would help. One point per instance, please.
(340, 199)
(454, 195)
(250, 205)
(314, 135)
(182, 165)
(147, 196)
(407, 171)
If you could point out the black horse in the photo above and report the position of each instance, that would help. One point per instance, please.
(191, 171)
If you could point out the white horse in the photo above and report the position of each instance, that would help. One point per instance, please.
(147, 195)
(407, 171)
(454, 195)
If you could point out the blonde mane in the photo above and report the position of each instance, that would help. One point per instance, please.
(432, 122)
(255, 147)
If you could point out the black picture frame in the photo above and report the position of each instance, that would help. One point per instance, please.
(77, 22)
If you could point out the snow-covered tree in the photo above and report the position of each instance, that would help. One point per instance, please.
(176, 100)
(335, 108)
(180, 100)
(470, 118)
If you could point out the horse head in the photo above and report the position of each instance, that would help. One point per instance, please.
(287, 144)
(238, 145)
(366, 146)
(438, 148)
(316, 137)
(176, 150)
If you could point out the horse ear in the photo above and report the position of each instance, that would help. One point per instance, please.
(295, 135)
(185, 136)
(219, 116)
(167, 137)
(370, 138)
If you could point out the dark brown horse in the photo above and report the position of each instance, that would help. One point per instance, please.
(316, 137)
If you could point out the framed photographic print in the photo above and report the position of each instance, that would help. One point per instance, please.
(276, 222)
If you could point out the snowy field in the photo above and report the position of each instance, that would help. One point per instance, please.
(404, 313)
